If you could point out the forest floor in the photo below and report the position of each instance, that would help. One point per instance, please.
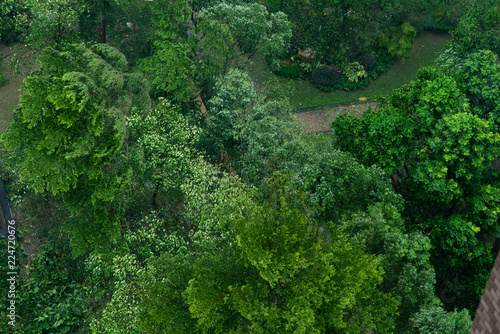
(9, 93)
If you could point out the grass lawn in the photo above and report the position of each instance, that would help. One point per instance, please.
(304, 95)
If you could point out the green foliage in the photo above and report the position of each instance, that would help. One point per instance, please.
(277, 39)
(3, 78)
(399, 42)
(9, 250)
(342, 31)
(170, 69)
(229, 108)
(368, 60)
(479, 74)
(120, 314)
(54, 296)
(166, 141)
(287, 71)
(342, 186)
(287, 276)
(409, 275)
(354, 71)
(54, 22)
(450, 59)
(478, 28)
(269, 143)
(14, 20)
(218, 47)
(72, 118)
(265, 266)
(204, 233)
(168, 278)
(83, 95)
(437, 143)
(433, 319)
(255, 29)
(246, 22)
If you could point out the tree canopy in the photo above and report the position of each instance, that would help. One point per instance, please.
(438, 142)
(70, 130)
(202, 206)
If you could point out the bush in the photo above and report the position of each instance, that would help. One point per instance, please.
(325, 75)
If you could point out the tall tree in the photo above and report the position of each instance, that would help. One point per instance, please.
(477, 28)
(437, 142)
(171, 68)
(254, 28)
(70, 130)
(266, 267)
(14, 20)
(54, 22)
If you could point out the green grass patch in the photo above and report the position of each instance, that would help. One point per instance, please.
(304, 95)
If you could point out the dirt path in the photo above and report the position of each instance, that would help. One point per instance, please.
(320, 119)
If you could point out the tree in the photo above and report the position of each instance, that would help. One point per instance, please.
(433, 319)
(287, 276)
(477, 28)
(14, 20)
(254, 28)
(258, 262)
(170, 69)
(229, 108)
(54, 22)
(437, 143)
(203, 231)
(167, 143)
(399, 42)
(70, 131)
(216, 48)
(246, 22)
(404, 256)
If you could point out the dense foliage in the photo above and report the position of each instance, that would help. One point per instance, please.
(437, 138)
(70, 131)
(201, 206)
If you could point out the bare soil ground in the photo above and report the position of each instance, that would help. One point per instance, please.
(9, 93)
(320, 119)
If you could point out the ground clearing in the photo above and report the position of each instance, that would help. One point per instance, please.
(9, 93)
(303, 94)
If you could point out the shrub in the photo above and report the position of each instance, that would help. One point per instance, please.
(325, 75)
